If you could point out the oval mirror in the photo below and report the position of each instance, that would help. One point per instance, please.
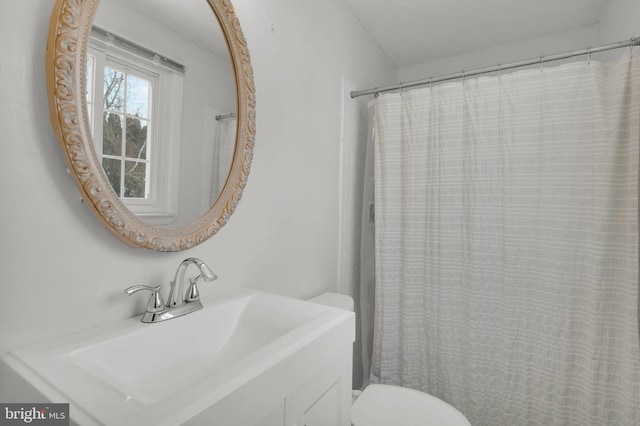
(153, 103)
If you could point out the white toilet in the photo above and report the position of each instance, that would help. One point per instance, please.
(386, 405)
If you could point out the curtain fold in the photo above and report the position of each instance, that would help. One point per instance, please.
(366, 298)
(506, 245)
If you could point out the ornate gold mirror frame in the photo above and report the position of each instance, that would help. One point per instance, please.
(69, 32)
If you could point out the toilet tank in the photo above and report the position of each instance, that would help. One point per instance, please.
(335, 300)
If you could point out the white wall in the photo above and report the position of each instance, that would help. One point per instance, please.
(569, 40)
(354, 132)
(62, 272)
(620, 21)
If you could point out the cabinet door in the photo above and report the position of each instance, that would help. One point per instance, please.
(325, 411)
(325, 399)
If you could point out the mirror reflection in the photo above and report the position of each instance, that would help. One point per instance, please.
(161, 105)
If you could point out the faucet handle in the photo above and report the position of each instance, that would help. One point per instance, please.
(192, 294)
(155, 304)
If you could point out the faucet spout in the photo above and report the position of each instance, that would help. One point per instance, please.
(177, 295)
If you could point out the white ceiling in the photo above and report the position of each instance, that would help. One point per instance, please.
(412, 32)
(192, 19)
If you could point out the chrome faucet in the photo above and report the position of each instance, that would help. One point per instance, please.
(192, 293)
(179, 302)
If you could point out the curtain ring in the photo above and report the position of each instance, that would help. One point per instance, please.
(401, 88)
(376, 93)
(499, 70)
(541, 63)
(589, 55)
(463, 76)
(430, 83)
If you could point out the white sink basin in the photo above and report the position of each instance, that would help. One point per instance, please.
(163, 373)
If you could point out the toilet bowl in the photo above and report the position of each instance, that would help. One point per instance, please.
(386, 405)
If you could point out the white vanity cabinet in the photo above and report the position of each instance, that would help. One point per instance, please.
(247, 358)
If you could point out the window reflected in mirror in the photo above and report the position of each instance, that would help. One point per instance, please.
(125, 84)
(123, 100)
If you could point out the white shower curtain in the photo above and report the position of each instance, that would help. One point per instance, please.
(506, 245)
(224, 145)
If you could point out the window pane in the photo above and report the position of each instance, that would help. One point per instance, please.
(113, 90)
(112, 134)
(89, 77)
(89, 80)
(135, 180)
(90, 112)
(138, 92)
(112, 168)
(136, 138)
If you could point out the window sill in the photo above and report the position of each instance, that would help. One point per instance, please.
(154, 218)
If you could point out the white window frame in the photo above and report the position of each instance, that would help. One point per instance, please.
(164, 132)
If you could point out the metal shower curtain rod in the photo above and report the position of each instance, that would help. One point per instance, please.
(131, 47)
(225, 116)
(634, 41)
